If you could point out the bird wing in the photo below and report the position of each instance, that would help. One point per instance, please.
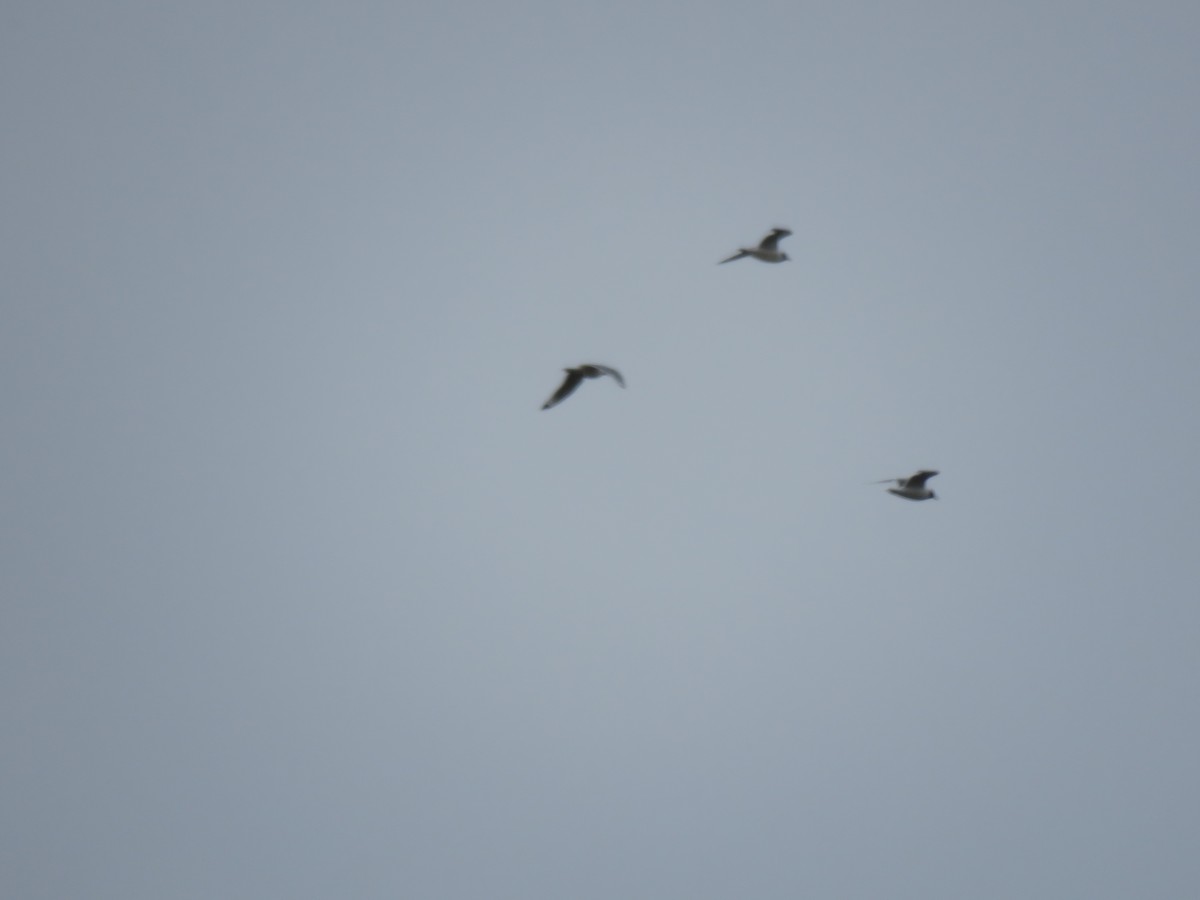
(737, 255)
(565, 389)
(771, 241)
(918, 480)
(609, 370)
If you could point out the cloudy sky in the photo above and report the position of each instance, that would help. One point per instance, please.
(304, 597)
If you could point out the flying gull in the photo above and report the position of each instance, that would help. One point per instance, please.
(912, 487)
(767, 250)
(575, 376)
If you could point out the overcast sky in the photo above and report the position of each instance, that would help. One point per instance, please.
(304, 597)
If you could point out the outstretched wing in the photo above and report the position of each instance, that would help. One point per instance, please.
(737, 255)
(918, 480)
(609, 370)
(565, 390)
(771, 241)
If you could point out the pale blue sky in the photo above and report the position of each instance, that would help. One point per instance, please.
(303, 597)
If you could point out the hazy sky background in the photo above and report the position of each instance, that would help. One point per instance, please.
(303, 597)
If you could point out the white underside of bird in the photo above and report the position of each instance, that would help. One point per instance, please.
(771, 256)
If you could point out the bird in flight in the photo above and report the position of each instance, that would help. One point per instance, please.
(575, 376)
(912, 487)
(767, 249)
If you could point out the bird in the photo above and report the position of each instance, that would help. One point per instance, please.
(575, 376)
(767, 249)
(912, 487)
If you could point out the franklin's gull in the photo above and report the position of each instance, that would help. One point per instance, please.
(575, 376)
(767, 249)
(912, 487)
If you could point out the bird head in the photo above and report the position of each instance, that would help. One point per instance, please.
(783, 257)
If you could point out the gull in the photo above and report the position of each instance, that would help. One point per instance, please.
(575, 376)
(912, 487)
(767, 249)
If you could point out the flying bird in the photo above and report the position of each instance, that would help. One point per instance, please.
(767, 249)
(575, 376)
(912, 487)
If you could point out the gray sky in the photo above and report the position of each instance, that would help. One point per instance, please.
(304, 597)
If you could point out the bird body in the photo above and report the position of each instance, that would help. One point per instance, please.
(767, 249)
(575, 377)
(913, 487)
